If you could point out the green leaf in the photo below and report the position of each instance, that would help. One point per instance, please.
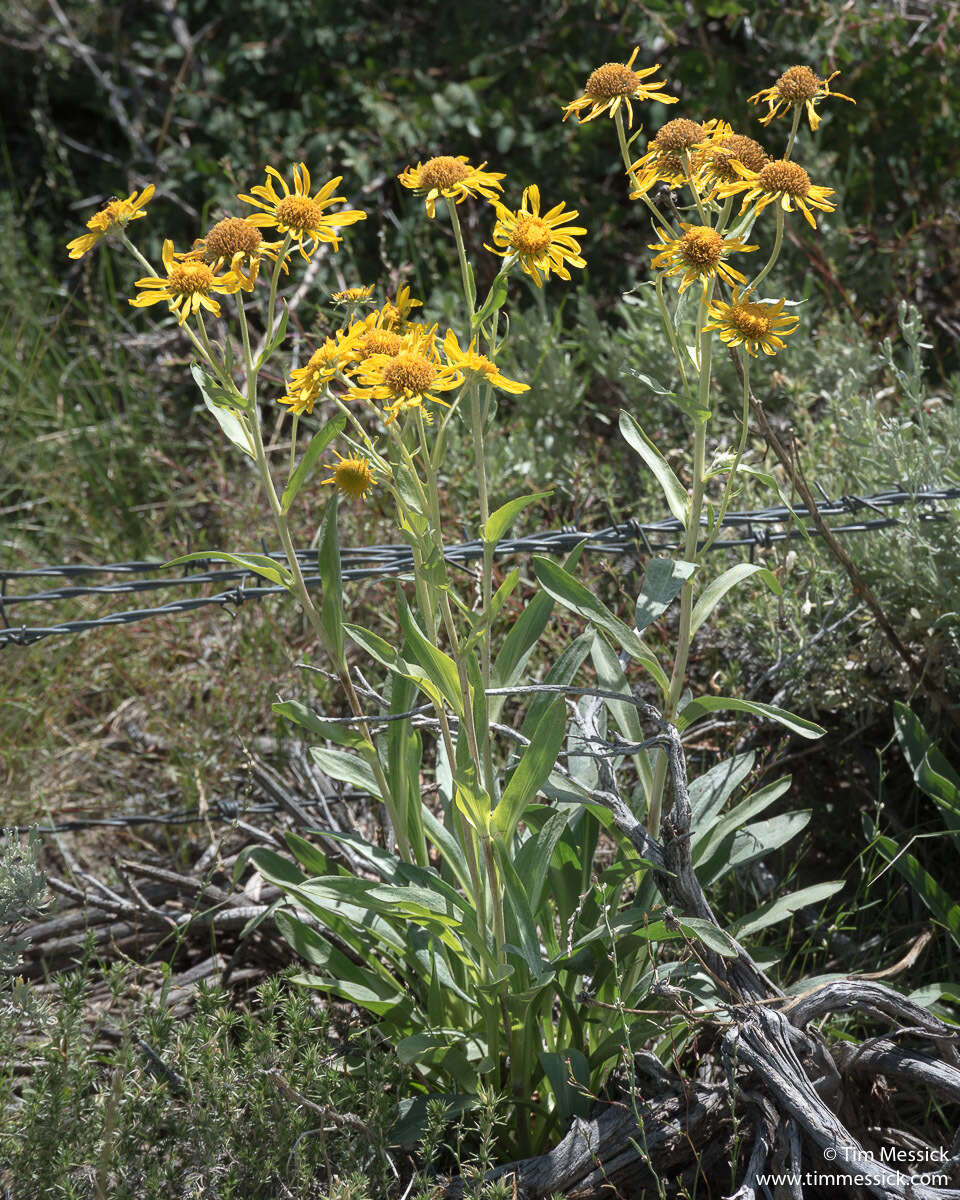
(306, 718)
(533, 769)
(472, 799)
(573, 595)
(715, 591)
(496, 298)
(662, 582)
(568, 1073)
(673, 489)
(500, 521)
(279, 334)
(937, 900)
(348, 768)
(783, 907)
(696, 709)
(226, 410)
(258, 564)
(611, 678)
(318, 443)
(331, 602)
(439, 667)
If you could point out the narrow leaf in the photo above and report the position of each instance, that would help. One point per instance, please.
(673, 489)
(662, 582)
(319, 442)
(696, 709)
(715, 591)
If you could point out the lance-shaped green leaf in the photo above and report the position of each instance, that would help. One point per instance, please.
(940, 903)
(662, 583)
(440, 667)
(496, 298)
(336, 731)
(328, 560)
(573, 595)
(500, 521)
(696, 709)
(279, 334)
(783, 907)
(348, 768)
(715, 591)
(226, 409)
(533, 769)
(257, 564)
(673, 489)
(318, 443)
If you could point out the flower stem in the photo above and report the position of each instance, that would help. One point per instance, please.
(797, 108)
(774, 253)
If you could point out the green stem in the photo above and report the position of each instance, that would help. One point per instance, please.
(293, 446)
(685, 155)
(671, 332)
(797, 109)
(469, 298)
(274, 278)
(774, 253)
(625, 156)
(734, 466)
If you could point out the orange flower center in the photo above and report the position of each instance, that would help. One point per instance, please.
(783, 176)
(230, 236)
(532, 235)
(409, 374)
(380, 341)
(353, 477)
(443, 172)
(299, 214)
(745, 150)
(750, 320)
(701, 246)
(798, 84)
(612, 79)
(679, 134)
(189, 278)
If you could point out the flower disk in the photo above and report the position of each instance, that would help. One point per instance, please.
(302, 217)
(406, 380)
(352, 477)
(664, 159)
(112, 217)
(540, 243)
(751, 324)
(797, 86)
(453, 178)
(187, 287)
(613, 86)
(235, 244)
(698, 253)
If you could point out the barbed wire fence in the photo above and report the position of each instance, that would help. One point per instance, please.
(258, 790)
(755, 529)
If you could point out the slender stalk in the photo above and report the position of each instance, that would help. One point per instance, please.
(734, 466)
(797, 109)
(625, 155)
(774, 253)
(469, 297)
(293, 446)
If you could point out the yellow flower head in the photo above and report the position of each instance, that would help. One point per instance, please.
(699, 253)
(297, 213)
(478, 366)
(326, 362)
(613, 86)
(233, 244)
(187, 287)
(540, 243)
(354, 295)
(664, 159)
(796, 86)
(114, 216)
(405, 380)
(395, 313)
(352, 477)
(751, 324)
(453, 178)
(779, 182)
(714, 161)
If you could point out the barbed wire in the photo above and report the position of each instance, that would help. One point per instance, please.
(753, 529)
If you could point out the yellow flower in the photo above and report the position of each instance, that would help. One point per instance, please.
(114, 216)
(664, 159)
(478, 366)
(713, 161)
(796, 86)
(751, 323)
(233, 244)
(394, 313)
(453, 178)
(541, 243)
(354, 295)
(187, 288)
(405, 380)
(614, 85)
(352, 477)
(779, 182)
(698, 253)
(298, 213)
(326, 362)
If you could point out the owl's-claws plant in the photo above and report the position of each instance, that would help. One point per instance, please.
(476, 926)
